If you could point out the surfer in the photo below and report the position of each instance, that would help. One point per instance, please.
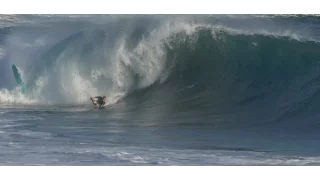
(99, 101)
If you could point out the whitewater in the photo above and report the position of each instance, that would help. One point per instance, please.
(181, 89)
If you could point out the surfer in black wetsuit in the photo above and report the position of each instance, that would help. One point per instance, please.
(99, 101)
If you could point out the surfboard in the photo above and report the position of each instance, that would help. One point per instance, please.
(17, 76)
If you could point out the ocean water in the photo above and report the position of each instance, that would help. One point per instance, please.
(181, 89)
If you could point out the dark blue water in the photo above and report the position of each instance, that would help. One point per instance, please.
(182, 90)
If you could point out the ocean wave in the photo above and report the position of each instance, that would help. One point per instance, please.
(210, 65)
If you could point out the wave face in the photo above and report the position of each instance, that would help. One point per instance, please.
(257, 69)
